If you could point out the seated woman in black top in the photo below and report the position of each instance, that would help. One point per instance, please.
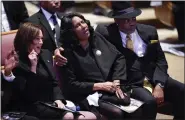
(34, 77)
(94, 67)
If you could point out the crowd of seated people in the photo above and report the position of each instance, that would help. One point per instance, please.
(100, 68)
(32, 77)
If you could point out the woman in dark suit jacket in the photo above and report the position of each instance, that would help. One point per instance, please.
(34, 80)
(34, 77)
(94, 65)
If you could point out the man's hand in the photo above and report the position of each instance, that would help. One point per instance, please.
(11, 62)
(158, 94)
(59, 104)
(59, 59)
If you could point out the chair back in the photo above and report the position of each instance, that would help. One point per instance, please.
(7, 39)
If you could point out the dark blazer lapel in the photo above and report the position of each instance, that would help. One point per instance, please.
(106, 58)
(142, 33)
(144, 36)
(114, 32)
(47, 60)
(45, 23)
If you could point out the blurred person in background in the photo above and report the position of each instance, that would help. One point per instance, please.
(102, 7)
(49, 18)
(68, 6)
(13, 13)
(179, 13)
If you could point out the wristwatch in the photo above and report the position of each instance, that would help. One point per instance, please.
(161, 85)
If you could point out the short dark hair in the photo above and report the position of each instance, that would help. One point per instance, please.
(68, 36)
(25, 36)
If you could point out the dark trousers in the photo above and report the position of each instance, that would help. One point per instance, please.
(110, 111)
(174, 94)
(149, 109)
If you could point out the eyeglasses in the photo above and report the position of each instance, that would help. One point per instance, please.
(128, 20)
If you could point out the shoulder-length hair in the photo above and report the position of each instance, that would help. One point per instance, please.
(68, 36)
(25, 36)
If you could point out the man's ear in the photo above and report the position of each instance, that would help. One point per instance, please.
(116, 21)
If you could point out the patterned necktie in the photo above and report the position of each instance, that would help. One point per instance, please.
(129, 42)
(57, 29)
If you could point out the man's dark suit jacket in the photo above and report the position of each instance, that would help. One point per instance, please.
(153, 64)
(111, 63)
(40, 19)
(16, 13)
(31, 87)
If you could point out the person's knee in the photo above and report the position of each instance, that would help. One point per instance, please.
(68, 116)
(151, 103)
(87, 116)
(117, 113)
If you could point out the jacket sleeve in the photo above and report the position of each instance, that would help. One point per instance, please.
(25, 82)
(119, 69)
(19, 83)
(160, 73)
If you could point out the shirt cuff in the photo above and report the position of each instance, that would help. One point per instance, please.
(8, 78)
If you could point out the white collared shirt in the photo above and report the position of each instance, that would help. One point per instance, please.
(9, 78)
(138, 44)
(49, 19)
(4, 23)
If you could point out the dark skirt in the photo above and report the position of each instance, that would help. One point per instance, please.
(46, 113)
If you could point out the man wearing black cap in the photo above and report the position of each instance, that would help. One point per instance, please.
(145, 60)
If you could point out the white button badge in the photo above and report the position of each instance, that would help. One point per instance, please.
(98, 52)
